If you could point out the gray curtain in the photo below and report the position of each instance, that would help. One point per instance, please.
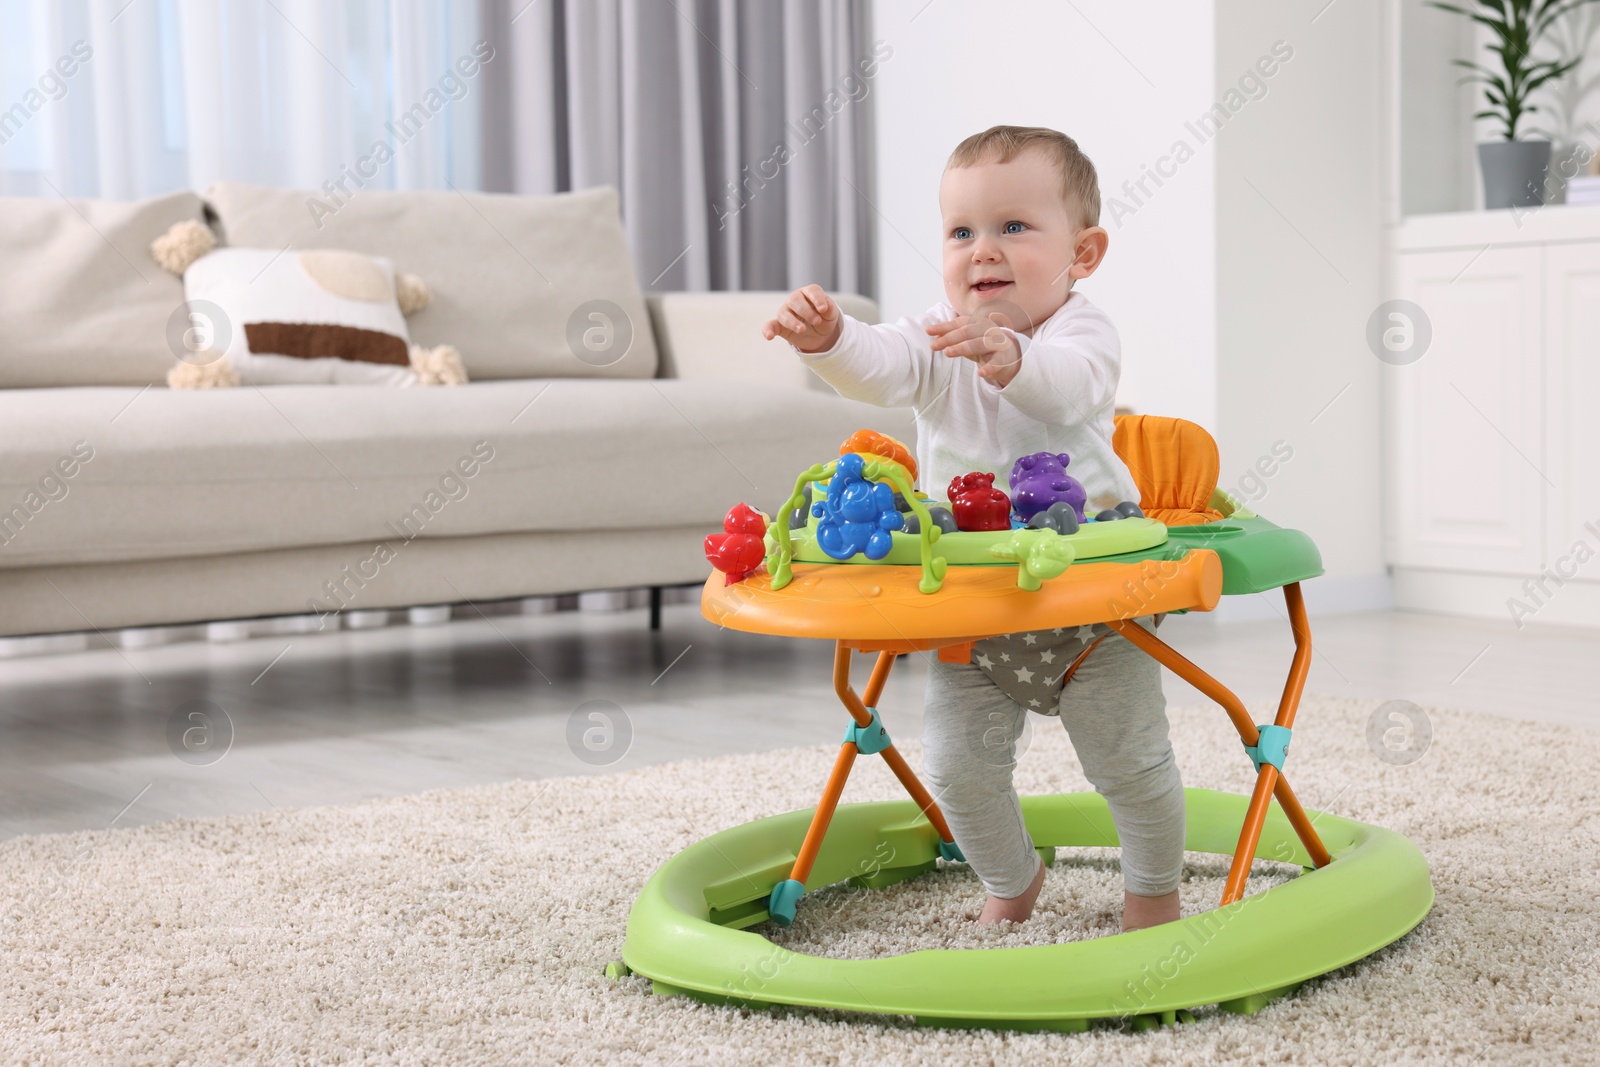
(736, 131)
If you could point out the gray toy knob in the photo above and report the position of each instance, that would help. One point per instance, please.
(943, 519)
(1066, 518)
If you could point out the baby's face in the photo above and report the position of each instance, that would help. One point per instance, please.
(1008, 222)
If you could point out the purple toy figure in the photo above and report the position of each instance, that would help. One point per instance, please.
(1039, 480)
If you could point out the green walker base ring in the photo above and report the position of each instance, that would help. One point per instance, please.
(686, 934)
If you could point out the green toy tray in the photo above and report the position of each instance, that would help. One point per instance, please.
(1093, 540)
(1257, 555)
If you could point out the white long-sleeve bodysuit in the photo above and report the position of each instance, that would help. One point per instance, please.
(1061, 400)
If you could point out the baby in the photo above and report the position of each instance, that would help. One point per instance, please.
(1014, 363)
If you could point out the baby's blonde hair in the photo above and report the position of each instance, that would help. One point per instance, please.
(1080, 185)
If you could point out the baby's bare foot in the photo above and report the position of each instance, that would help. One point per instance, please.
(1014, 909)
(1139, 912)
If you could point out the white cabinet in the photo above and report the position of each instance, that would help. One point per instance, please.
(1467, 446)
(1492, 436)
(1572, 412)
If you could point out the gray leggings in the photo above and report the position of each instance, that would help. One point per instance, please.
(1115, 714)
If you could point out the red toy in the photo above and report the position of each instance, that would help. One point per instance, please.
(977, 504)
(738, 551)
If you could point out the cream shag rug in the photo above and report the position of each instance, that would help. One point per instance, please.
(472, 926)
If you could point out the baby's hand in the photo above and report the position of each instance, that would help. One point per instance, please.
(809, 320)
(981, 340)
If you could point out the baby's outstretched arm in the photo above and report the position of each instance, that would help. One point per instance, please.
(890, 365)
(809, 319)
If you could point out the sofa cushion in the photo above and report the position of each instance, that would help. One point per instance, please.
(81, 301)
(718, 335)
(516, 280)
(91, 475)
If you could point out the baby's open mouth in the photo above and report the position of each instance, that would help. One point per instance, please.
(990, 286)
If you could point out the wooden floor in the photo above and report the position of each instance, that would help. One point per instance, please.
(87, 738)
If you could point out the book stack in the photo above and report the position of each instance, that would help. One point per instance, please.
(1584, 189)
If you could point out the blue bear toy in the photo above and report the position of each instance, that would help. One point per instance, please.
(1039, 480)
(857, 514)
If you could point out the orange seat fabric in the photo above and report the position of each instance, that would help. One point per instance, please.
(1175, 464)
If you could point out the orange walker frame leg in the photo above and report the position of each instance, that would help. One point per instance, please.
(858, 707)
(1270, 782)
(1269, 779)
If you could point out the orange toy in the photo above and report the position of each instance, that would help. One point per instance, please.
(872, 442)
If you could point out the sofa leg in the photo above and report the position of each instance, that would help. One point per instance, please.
(655, 607)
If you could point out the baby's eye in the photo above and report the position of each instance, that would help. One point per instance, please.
(961, 233)
(1019, 227)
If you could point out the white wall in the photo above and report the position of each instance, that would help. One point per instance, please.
(1302, 178)
(1438, 167)
(1242, 286)
(1124, 92)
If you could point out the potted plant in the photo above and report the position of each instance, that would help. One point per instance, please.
(1514, 169)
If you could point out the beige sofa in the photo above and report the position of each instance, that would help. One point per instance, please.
(124, 503)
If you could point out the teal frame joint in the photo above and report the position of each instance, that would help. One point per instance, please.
(783, 901)
(869, 738)
(949, 850)
(1271, 747)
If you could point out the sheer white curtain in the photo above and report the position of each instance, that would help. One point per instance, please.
(130, 98)
(736, 131)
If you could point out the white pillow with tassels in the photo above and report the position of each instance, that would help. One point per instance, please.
(278, 317)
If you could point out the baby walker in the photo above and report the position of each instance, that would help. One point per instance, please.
(858, 557)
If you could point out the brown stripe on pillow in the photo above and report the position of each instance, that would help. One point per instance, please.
(311, 340)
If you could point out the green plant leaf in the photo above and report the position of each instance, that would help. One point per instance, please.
(1553, 10)
(1517, 25)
